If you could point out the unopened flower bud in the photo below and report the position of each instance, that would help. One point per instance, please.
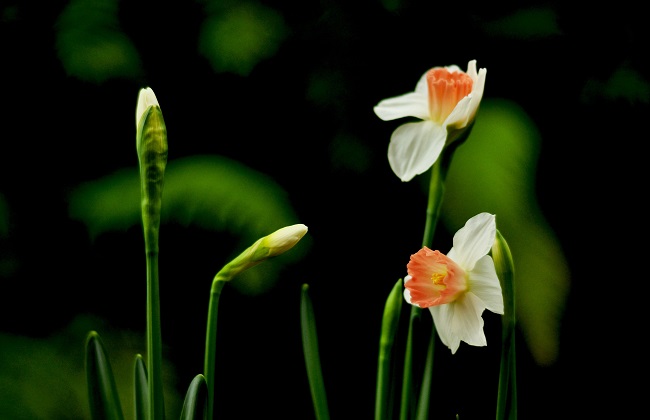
(151, 144)
(264, 248)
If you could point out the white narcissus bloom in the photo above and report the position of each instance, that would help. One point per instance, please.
(446, 99)
(459, 286)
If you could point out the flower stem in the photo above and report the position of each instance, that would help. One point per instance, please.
(152, 155)
(434, 204)
(312, 356)
(154, 340)
(507, 394)
(211, 341)
(389, 323)
(425, 390)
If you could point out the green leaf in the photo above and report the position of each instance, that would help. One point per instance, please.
(507, 393)
(312, 357)
(140, 388)
(389, 324)
(195, 406)
(102, 393)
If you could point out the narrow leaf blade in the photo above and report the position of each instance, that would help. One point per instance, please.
(140, 389)
(195, 406)
(312, 357)
(102, 392)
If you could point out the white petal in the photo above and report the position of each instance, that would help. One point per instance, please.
(474, 240)
(413, 104)
(486, 286)
(471, 69)
(467, 322)
(407, 294)
(465, 110)
(146, 98)
(442, 318)
(476, 95)
(459, 116)
(453, 68)
(414, 148)
(423, 87)
(479, 85)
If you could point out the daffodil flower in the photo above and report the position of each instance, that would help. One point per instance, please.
(459, 286)
(446, 99)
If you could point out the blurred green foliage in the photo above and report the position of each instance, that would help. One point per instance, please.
(45, 378)
(211, 192)
(236, 37)
(624, 83)
(527, 23)
(91, 45)
(495, 171)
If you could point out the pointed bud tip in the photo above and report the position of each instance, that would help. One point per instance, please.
(284, 239)
(146, 98)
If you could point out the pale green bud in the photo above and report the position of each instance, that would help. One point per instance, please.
(264, 248)
(279, 241)
(146, 98)
(151, 144)
(505, 269)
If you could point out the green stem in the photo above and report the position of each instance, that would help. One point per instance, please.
(211, 341)
(151, 143)
(389, 324)
(407, 404)
(507, 394)
(154, 340)
(312, 356)
(425, 391)
(434, 204)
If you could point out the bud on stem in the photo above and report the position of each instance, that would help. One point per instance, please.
(151, 143)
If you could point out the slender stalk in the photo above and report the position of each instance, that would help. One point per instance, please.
(312, 356)
(507, 394)
(151, 143)
(425, 390)
(434, 204)
(211, 341)
(151, 220)
(154, 340)
(389, 324)
(407, 404)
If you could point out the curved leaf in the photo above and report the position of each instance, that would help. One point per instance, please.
(312, 357)
(140, 389)
(385, 381)
(195, 406)
(102, 393)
